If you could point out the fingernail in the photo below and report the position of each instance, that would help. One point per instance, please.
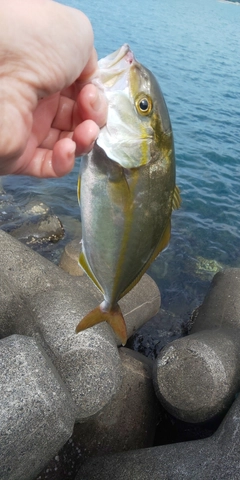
(97, 101)
(72, 149)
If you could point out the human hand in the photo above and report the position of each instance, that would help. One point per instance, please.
(49, 113)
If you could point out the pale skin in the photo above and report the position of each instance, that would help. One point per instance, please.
(49, 111)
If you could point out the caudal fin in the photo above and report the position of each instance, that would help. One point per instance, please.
(113, 317)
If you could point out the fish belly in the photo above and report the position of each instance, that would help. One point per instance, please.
(125, 213)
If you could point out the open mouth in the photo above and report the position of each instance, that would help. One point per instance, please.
(114, 68)
(112, 60)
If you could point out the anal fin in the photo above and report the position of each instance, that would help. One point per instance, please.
(84, 264)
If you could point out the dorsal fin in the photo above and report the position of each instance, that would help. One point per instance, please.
(176, 198)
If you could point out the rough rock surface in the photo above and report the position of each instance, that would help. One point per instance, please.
(33, 224)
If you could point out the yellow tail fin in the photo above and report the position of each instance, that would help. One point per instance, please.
(113, 317)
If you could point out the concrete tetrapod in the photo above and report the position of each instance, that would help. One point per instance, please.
(128, 422)
(214, 458)
(37, 413)
(197, 377)
(41, 301)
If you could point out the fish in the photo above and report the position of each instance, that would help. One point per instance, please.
(126, 187)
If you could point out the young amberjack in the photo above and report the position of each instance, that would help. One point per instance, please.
(126, 186)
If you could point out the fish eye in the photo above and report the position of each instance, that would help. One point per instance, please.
(143, 104)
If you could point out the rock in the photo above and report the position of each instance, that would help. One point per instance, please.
(69, 259)
(161, 329)
(35, 223)
(214, 458)
(206, 268)
(36, 410)
(197, 377)
(48, 229)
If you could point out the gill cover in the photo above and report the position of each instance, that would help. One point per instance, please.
(128, 134)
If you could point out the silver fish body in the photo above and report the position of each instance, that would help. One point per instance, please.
(127, 201)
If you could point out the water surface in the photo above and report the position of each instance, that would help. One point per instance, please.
(193, 49)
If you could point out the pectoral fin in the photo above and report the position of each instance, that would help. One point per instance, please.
(113, 317)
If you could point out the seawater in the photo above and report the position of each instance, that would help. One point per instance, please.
(193, 48)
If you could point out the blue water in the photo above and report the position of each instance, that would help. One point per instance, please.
(193, 48)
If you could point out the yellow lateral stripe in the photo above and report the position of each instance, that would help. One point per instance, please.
(144, 146)
(160, 246)
(128, 214)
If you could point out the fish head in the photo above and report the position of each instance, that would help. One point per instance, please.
(138, 128)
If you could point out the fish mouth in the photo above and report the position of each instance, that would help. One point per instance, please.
(112, 60)
(123, 53)
(114, 69)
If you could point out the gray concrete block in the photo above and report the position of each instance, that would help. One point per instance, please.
(221, 307)
(36, 411)
(88, 363)
(69, 259)
(129, 420)
(13, 307)
(140, 304)
(214, 458)
(53, 303)
(197, 377)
